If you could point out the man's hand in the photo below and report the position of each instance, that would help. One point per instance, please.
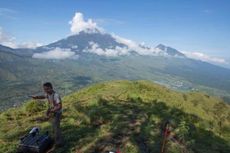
(34, 97)
(48, 112)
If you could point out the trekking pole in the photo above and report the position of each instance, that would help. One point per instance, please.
(164, 139)
(163, 145)
(118, 150)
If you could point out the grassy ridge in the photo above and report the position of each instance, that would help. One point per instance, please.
(128, 115)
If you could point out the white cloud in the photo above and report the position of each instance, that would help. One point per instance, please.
(57, 53)
(94, 48)
(117, 51)
(7, 40)
(204, 57)
(29, 45)
(78, 24)
(74, 47)
(133, 46)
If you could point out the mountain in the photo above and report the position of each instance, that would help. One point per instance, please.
(81, 41)
(168, 50)
(129, 115)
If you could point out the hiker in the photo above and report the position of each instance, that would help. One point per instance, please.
(54, 111)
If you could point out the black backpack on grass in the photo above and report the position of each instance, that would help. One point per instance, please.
(34, 142)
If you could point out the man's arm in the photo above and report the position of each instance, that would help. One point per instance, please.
(39, 97)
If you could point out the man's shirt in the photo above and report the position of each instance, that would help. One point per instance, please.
(53, 100)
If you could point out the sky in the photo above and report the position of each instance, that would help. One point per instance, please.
(198, 27)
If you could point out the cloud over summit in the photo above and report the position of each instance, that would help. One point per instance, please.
(78, 24)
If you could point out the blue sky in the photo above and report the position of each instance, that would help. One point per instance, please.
(187, 25)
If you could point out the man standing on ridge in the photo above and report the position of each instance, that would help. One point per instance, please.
(54, 111)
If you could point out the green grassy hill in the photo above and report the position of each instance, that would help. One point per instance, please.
(128, 114)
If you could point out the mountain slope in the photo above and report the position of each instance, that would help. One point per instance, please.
(8, 60)
(128, 114)
(81, 41)
(170, 51)
(6, 49)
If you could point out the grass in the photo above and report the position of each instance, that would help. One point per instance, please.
(128, 115)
